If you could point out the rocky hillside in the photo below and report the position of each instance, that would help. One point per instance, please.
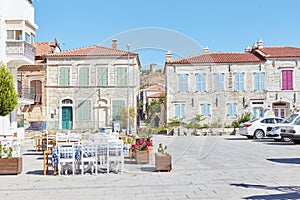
(148, 78)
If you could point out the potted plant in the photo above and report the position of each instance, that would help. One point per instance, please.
(8, 163)
(163, 161)
(141, 150)
(9, 101)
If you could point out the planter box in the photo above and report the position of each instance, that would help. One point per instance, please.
(163, 162)
(11, 165)
(142, 157)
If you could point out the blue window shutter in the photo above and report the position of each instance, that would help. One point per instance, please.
(229, 109)
(261, 112)
(234, 109)
(242, 82)
(84, 76)
(102, 76)
(236, 82)
(198, 82)
(179, 110)
(182, 111)
(203, 83)
(254, 113)
(205, 109)
(186, 86)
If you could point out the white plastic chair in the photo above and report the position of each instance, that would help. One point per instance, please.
(88, 156)
(66, 157)
(115, 158)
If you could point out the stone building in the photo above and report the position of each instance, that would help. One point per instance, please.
(88, 87)
(221, 86)
(32, 77)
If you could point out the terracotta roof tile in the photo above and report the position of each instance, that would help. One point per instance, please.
(44, 48)
(219, 57)
(91, 51)
(279, 52)
(156, 95)
(155, 87)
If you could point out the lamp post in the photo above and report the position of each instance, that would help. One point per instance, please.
(127, 127)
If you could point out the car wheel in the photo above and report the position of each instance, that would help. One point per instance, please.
(286, 139)
(259, 134)
(296, 141)
(249, 137)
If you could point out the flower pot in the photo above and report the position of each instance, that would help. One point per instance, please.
(10, 165)
(150, 150)
(163, 162)
(142, 157)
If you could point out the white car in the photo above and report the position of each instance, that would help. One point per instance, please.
(257, 128)
(274, 132)
(292, 131)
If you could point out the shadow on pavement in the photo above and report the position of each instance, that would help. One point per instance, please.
(285, 160)
(235, 138)
(288, 192)
(36, 172)
(148, 169)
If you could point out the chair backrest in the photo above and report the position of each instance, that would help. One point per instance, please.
(88, 149)
(66, 151)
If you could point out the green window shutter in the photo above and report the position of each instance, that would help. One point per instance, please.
(102, 76)
(64, 76)
(84, 76)
(84, 110)
(116, 109)
(121, 76)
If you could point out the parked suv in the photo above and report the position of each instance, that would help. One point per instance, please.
(274, 132)
(257, 128)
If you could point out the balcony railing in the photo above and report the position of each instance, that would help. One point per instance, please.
(26, 93)
(20, 48)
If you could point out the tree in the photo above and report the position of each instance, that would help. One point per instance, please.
(8, 94)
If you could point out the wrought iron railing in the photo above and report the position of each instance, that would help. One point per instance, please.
(26, 93)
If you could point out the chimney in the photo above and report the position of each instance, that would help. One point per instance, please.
(169, 56)
(206, 49)
(247, 49)
(260, 44)
(114, 44)
(153, 67)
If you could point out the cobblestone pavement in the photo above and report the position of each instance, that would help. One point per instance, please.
(204, 167)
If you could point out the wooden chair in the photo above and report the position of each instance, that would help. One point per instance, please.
(47, 164)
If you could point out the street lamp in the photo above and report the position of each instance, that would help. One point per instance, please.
(127, 128)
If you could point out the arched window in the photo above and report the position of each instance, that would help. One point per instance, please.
(37, 91)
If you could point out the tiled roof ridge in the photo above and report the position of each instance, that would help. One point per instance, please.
(208, 54)
(108, 51)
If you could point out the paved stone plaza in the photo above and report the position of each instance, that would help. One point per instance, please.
(204, 167)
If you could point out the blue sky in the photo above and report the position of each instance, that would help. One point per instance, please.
(153, 27)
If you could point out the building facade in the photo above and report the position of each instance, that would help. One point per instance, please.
(87, 88)
(223, 86)
(17, 33)
(33, 77)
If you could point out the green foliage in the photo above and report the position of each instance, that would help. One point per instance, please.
(245, 117)
(8, 94)
(176, 122)
(195, 123)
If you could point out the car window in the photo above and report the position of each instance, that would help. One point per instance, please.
(278, 120)
(290, 118)
(297, 121)
(268, 121)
